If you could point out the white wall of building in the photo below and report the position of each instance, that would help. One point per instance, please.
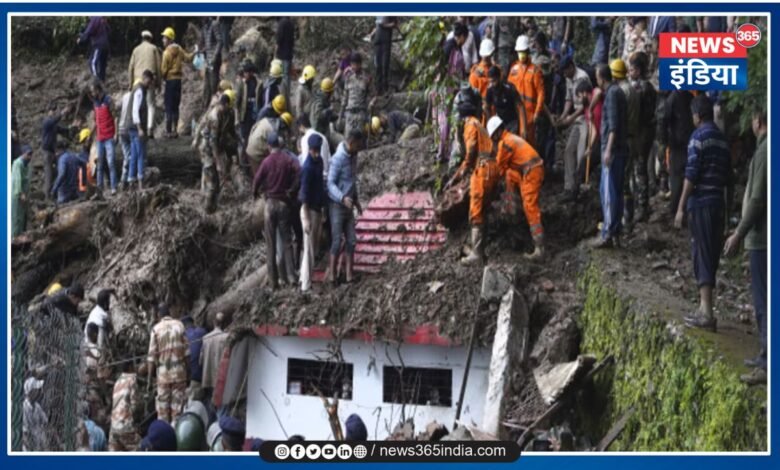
(306, 415)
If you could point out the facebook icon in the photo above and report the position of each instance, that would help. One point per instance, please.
(298, 451)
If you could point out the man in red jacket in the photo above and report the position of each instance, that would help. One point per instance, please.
(105, 130)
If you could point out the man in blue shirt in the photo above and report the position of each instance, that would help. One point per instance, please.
(614, 152)
(707, 173)
(50, 128)
(313, 198)
(194, 336)
(69, 165)
(343, 193)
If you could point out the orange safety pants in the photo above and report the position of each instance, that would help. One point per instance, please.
(527, 127)
(529, 187)
(483, 182)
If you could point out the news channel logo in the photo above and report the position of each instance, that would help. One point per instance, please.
(314, 451)
(706, 61)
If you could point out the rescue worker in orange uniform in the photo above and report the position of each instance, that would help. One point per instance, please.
(524, 171)
(478, 78)
(485, 175)
(529, 83)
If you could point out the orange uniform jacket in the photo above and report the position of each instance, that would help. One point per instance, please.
(479, 152)
(478, 78)
(525, 173)
(527, 80)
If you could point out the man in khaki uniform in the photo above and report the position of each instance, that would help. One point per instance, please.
(125, 411)
(216, 141)
(169, 356)
(146, 56)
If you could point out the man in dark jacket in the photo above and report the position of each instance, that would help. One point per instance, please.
(676, 128)
(314, 199)
(213, 44)
(69, 165)
(96, 32)
(285, 44)
(65, 301)
(49, 130)
(278, 179)
(383, 41)
(194, 336)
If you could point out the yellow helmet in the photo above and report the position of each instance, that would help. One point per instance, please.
(169, 33)
(279, 104)
(231, 97)
(84, 134)
(376, 125)
(618, 68)
(137, 82)
(287, 118)
(225, 85)
(276, 69)
(327, 85)
(309, 72)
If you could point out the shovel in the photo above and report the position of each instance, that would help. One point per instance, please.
(585, 187)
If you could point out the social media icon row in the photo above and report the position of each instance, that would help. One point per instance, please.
(314, 451)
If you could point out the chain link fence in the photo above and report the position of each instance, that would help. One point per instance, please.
(45, 346)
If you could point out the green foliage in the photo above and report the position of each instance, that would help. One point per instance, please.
(686, 398)
(741, 103)
(423, 36)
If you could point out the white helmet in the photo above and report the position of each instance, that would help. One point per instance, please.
(522, 43)
(494, 123)
(486, 48)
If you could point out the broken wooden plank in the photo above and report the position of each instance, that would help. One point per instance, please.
(523, 439)
(615, 431)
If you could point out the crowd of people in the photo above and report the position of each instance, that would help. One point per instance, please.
(520, 90)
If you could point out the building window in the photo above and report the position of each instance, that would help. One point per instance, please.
(417, 386)
(319, 378)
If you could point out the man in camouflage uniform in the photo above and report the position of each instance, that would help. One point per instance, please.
(215, 139)
(638, 74)
(620, 74)
(93, 377)
(169, 355)
(355, 102)
(124, 413)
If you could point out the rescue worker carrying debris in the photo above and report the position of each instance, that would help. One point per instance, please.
(524, 171)
(485, 176)
(215, 139)
(527, 80)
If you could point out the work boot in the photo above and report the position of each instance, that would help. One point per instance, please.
(538, 249)
(477, 248)
(697, 320)
(756, 377)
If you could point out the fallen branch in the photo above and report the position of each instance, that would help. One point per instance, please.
(615, 431)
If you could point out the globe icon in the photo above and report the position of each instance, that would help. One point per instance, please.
(360, 451)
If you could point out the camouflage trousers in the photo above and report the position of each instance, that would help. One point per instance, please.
(123, 442)
(644, 144)
(355, 120)
(409, 133)
(170, 400)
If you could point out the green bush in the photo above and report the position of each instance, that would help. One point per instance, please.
(686, 398)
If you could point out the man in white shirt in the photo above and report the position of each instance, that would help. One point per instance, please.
(573, 115)
(99, 316)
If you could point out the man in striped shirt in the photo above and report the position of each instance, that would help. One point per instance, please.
(707, 173)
